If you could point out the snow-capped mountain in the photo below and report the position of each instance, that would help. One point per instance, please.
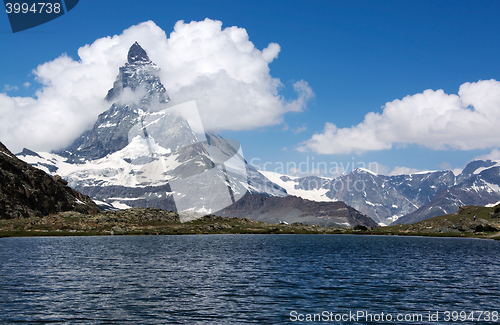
(143, 152)
(137, 90)
(402, 198)
(383, 198)
(478, 184)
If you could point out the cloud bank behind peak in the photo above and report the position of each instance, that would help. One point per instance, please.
(218, 67)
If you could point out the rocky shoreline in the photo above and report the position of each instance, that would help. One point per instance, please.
(147, 221)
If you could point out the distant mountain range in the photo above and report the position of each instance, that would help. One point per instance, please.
(478, 184)
(402, 198)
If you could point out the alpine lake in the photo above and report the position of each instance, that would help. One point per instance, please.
(249, 279)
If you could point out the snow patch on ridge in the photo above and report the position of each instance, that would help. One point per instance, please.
(491, 205)
(493, 187)
(318, 195)
(480, 169)
(120, 205)
(364, 170)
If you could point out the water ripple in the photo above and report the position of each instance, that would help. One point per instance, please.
(240, 279)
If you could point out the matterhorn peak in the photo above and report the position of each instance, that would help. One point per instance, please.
(139, 73)
(140, 77)
(137, 54)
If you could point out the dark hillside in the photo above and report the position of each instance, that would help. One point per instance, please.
(26, 191)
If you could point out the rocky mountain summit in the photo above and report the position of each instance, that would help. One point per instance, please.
(139, 74)
(26, 191)
(136, 89)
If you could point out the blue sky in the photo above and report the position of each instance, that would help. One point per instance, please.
(355, 56)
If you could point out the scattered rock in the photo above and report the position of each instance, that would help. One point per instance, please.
(59, 179)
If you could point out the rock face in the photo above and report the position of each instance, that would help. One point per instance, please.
(293, 209)
(137, 54)
(478, 184)
(382, 198)
(26, 191)
(402, 198)
(390, 197)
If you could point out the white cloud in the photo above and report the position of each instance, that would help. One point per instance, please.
(27, 84)
(67, 104)
(446, 165)
(299, 129)
(432, 119)
(403, 171)
(493, 155)
(377, 168)
(227, 76)
(408, 170)
(219, 68)
(7, 88)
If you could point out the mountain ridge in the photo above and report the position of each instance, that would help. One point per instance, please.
(291, 209)
(26, 191)
(478, 184)
(401, 198)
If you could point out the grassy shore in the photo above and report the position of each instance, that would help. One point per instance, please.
(461, 224)
(151, 221)
(147, 221)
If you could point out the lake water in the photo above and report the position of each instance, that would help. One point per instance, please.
(242, 279)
